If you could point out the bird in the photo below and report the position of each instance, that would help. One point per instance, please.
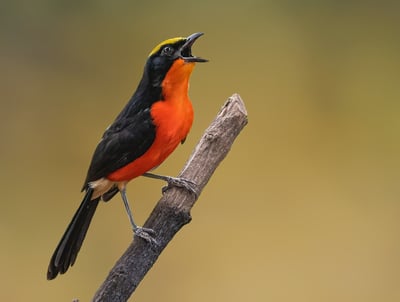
(156, 119)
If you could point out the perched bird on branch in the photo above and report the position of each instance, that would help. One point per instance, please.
(156, 119)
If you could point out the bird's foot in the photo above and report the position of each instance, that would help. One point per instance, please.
(181, 183)
(146, 234)
(175, 182)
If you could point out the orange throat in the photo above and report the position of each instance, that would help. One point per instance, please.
(176, 82)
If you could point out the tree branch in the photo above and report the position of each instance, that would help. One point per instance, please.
(173, 210)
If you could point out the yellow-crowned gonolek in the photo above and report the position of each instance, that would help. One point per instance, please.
(156, 119)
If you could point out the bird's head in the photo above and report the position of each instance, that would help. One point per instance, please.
(172, 60)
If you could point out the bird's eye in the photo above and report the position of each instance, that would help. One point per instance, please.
(167, 51)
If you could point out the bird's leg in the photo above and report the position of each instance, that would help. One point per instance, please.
(145, 233)
(175, 181)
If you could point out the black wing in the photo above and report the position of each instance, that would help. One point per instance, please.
(125, 140)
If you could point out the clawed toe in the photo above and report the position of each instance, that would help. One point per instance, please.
(181, 183)
(176, 182)
(146, 234)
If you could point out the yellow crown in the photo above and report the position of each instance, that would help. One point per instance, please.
(169, 41)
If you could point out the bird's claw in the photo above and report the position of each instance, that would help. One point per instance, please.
(146, 234)
(181, 183)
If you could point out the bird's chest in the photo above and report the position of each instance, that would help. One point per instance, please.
(173, 119)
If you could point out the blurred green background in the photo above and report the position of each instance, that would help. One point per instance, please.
(304, 208)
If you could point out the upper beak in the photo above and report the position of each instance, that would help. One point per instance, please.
(186, 49)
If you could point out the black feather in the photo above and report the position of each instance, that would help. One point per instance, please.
(66, 251)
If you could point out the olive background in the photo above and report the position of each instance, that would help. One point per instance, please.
(304, 208)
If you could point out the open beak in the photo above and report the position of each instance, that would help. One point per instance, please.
(186, 49)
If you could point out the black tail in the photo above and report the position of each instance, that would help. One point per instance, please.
(66, 251)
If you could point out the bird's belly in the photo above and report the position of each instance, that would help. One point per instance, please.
(172, 126)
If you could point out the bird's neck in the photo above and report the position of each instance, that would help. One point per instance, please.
(176, 82)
